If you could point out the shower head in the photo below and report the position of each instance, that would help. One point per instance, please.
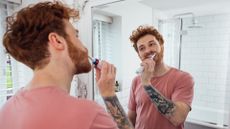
(187, 15)
(194, 24)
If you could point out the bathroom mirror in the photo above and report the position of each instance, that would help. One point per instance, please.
(197, 40)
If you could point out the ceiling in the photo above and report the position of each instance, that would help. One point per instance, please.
(199, 7)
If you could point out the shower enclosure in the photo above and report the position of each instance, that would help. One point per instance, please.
(201, 46)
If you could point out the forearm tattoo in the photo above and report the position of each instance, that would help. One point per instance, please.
(115, 109)
(165, 106)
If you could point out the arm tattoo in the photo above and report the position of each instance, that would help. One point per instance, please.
(165, 106)
(115, 109)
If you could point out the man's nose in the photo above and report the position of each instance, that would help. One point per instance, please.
(148, 50)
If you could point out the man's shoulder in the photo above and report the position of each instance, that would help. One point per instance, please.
(136, 80)
(183, 77)
(89, 103)
(83, 103)
(180, 72)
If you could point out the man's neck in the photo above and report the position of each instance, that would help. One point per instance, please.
(161, 69)
(51, 76)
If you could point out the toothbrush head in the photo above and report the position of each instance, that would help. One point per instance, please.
(90, 58)
(153, 55)
(95, 61)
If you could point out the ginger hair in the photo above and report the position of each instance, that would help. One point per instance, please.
(26, 36)
(142, 31)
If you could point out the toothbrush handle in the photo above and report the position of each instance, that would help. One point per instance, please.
(140, 70)
(97, 63)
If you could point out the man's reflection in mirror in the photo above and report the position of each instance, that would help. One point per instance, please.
(161, 95)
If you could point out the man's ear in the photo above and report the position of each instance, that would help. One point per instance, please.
(57, 41)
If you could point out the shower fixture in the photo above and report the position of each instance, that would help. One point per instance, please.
(194, 24)
(184, 32)
(186, 15)
(181, 15)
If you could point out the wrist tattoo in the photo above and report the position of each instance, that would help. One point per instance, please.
(115, 109)
(165, 106)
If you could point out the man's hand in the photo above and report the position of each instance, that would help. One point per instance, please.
(149, 67)
(105, 78)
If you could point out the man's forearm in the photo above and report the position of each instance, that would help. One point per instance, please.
(115, 109)
(164, 106)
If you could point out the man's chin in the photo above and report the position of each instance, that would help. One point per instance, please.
(84, 69)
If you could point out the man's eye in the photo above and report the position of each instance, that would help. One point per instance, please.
(141, 49)
(151, 44)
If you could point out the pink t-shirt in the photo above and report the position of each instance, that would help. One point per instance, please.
(52, 108)
(175, 85)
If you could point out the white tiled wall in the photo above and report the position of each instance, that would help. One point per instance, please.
(205, 54)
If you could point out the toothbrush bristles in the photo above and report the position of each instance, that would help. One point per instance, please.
(90, 58)
(153, 55)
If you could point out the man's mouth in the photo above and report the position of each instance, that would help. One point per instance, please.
(151, 56)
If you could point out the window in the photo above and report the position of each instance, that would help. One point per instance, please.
(8, 66)
(101, 47)
(3, 66)
(102, 41)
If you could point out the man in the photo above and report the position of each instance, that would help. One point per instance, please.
(161, 95)
(41, 37)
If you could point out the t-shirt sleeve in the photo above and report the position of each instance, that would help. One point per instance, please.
(103, 121)
(183, 91)
(132, 101)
